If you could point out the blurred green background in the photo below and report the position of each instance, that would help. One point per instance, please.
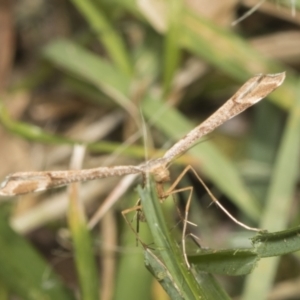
(127, 79)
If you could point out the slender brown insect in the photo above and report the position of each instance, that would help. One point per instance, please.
(254, 90)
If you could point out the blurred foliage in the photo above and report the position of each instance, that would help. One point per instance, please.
(173, 61)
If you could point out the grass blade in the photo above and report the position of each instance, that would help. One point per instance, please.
(233, 262)
(34, 133)
(172, 49)
(242, 261)
(277, 243)
(106, 34)
(161, 273)
(132, 279)
(93, 69)
(23, 270)
(169, 252)
(279, 200)
(82, 241)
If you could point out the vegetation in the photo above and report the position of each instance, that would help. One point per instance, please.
(145, 73)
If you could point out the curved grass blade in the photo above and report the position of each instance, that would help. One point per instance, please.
(106, 33)
(88, 66)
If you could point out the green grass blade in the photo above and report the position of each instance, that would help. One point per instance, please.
(132, 279)
(171, 48)
(86, 265)
(233, 262)
(34, 133)
(83, 248)
(90, 67)
(277, 243)
(211, 286)
(106, 34)
(242, 261)
(169, 251)
(77, 60)
(162, 275)
(262, 146)
(29, 131)
(279, 200)
(23, 271)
